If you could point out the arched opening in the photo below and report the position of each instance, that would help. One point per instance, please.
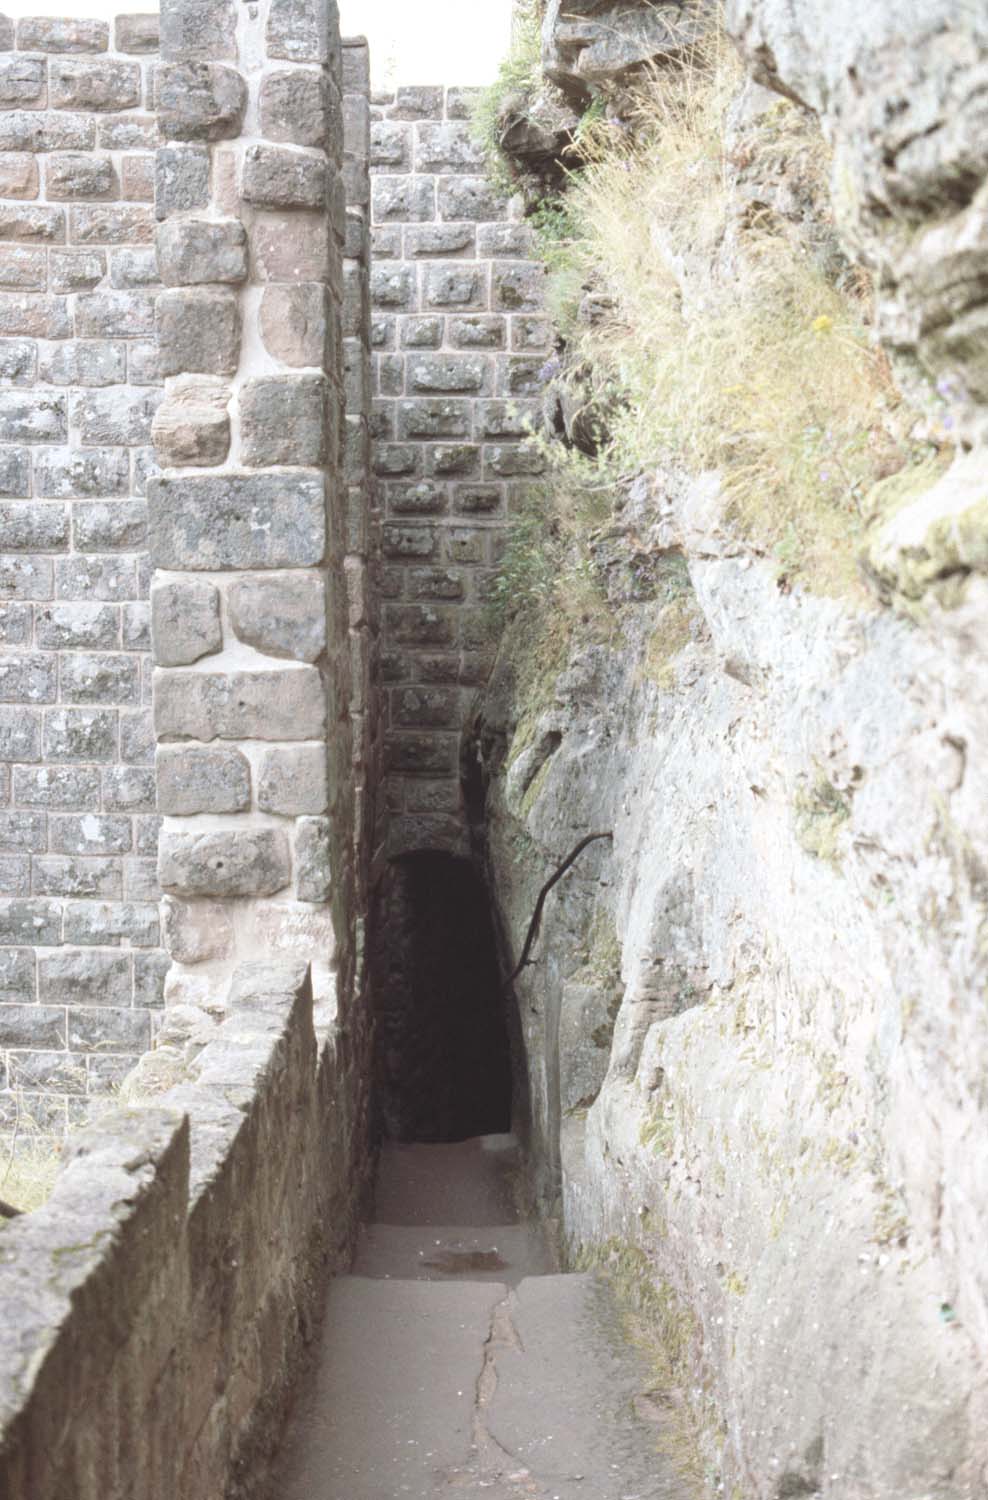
(442, 1056)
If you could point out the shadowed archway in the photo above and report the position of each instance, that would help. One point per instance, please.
(442, 1057)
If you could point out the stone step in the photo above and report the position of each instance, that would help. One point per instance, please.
(430, 1252)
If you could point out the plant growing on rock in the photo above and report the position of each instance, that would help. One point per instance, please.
(712, 323)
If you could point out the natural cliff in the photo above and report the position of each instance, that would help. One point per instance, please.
(754, 1033)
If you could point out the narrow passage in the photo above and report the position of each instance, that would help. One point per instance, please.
(455, 1362)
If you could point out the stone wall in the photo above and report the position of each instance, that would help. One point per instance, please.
(252, 692)
(156, 1309)
(362, 515)
(459, 341)
(81, 969)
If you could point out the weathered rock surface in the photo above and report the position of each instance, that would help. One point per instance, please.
(779, 1111)
(591, 44)
(900, 90)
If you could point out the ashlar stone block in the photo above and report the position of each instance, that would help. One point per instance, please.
(301, 31)
(192, 426)
(291, 252)
(200, 101)
(417, 102)
(404, 200)
(519, 288)
(194, 931)
(296, 323)
(448, 147)
(78, 174)
(198, 332)
(281, 615)
(295, 107)
(193, 780)
(190, 33)
(453, 373)
(283, 420)
(287, 704)
(193, 252)
(435, 417)
(18, 177)
(472, 199)
(51, 34)
(456, 285)
(254, 862)
(241, 521)
(185, 621)
(393, 286)
(181, 179)
(22, 83)
(137, 34)
(313, 869)
(276, 177)
(96, 86)
(293, 781)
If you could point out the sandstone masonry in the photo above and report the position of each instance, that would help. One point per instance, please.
(459, 340)
(81, 966)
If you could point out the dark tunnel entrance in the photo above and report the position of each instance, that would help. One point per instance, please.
(442, 1056)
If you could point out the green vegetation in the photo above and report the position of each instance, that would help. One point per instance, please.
(706, 329)
(519, 74)
(29, 1162)
(821, 812)
(660, 1323)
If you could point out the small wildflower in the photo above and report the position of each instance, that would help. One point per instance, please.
(823, 324)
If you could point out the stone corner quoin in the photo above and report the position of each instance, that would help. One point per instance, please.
(267, 352)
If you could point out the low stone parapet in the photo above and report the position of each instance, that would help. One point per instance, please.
(156, 1308)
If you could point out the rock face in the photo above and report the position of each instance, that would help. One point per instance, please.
(592, 44)
(753, 1035)
(900, 90)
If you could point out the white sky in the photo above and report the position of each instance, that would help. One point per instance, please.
(412, 41)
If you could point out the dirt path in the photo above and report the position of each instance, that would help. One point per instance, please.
(455, 1362)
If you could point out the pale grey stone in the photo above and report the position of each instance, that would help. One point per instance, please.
(254, 862)
(302, 31)
(283, 420)
(198, 331)
(200, 101)
(185, 621)
(86, 978)
(276, 177)
(237, 521)
(294, 781)
(287, 704)
(193, 252)
(313, 872)
(196, 931)
(295, 107)
(181, 180)
(192, 780)
(190, 33)
(281, 615)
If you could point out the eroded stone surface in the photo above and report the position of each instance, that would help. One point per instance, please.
(191, 428)
(281, 615)
(253, 862)
(258, 705)
(185, 621)
(193, 780)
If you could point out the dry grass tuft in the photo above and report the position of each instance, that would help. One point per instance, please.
(721, 337)
(30, 1161)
